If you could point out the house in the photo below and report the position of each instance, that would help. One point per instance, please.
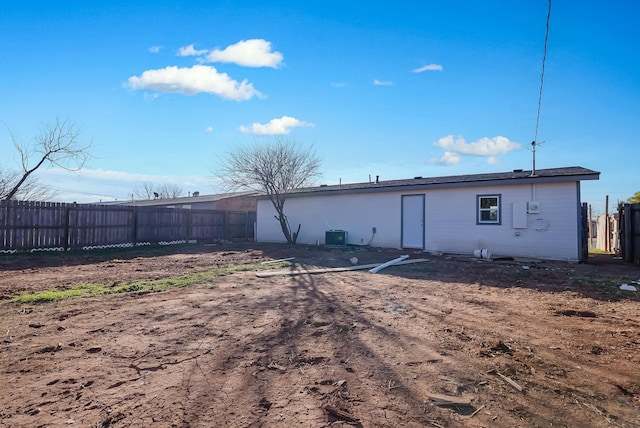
(239, 201)
(513, 213)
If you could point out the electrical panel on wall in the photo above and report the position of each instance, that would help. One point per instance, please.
(519, 215)
(533, 207)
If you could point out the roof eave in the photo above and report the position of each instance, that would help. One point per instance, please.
(383, 187)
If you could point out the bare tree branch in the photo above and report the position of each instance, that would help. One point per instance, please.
(170, 191)
(145, 191)
(55, 145)
(151, 191)
(274, 169)
(31, 189)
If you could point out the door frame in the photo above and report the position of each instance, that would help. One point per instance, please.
(402, 199)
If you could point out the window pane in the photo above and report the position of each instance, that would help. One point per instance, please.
(488, 202)
(489, 209)
(489, 215)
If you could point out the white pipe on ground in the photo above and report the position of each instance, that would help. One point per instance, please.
(387, 264)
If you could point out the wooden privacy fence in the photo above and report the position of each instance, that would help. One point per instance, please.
(629, 227)
(26, 226)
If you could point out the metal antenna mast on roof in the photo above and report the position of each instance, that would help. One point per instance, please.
(535, 142)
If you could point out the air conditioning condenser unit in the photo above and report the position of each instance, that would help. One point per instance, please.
(336, 238)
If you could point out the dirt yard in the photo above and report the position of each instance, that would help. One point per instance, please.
(450, 342)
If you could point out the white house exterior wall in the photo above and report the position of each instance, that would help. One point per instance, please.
(355, 213)
(553, 233)
(450, 220)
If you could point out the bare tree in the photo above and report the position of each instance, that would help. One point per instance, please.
(7, 181)
(145, 191)
(56, 145)
(170, 191)
(31, 189)
(151, 191)
(274, 169)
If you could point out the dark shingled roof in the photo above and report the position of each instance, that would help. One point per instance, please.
(573, 173)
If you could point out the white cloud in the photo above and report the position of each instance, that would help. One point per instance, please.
(192, 81)
(155, 49)
(428, 67)
(486, 147)
(247, 53)
(338, 84)
(483, 147)
(190, 51)
(99, 174)
(209, 129)
(151, 97)
(447, 159)
(382, 82)
(278, 126)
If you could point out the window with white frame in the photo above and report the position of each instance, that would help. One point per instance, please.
(488, 209)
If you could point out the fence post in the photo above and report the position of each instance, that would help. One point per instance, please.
(188, 218)
(134, 225)
(225, 225)
(628, 234)
(607, 226)
(585, 238)
(246, 225)
(67, 224)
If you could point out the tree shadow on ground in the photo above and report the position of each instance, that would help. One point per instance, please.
(300, 327)
(43, 259)
(253, 348)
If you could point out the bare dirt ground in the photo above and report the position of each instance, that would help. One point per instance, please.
(451, 342)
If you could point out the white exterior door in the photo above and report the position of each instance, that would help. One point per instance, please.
(413, 221)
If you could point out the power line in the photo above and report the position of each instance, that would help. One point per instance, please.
(535, 143)
(57, 188)
(544, 59)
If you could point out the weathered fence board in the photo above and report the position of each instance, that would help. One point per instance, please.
(91, 227)
(28, 226)
(629, 227)
(584, 234)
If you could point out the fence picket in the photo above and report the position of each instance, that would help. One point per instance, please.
(27, 225)
(629, 226)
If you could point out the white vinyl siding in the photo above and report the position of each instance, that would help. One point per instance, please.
(358, 214)
(451, 216)
(454, 230)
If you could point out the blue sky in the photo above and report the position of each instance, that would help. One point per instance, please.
(395, 89)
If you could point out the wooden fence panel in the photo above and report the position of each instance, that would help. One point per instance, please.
(238, 224)
(635, 233)
(629, 227)
(165, 225)
(28, 226)
(207, 225)
(31, 225)
(584, 235)
(96, 225)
